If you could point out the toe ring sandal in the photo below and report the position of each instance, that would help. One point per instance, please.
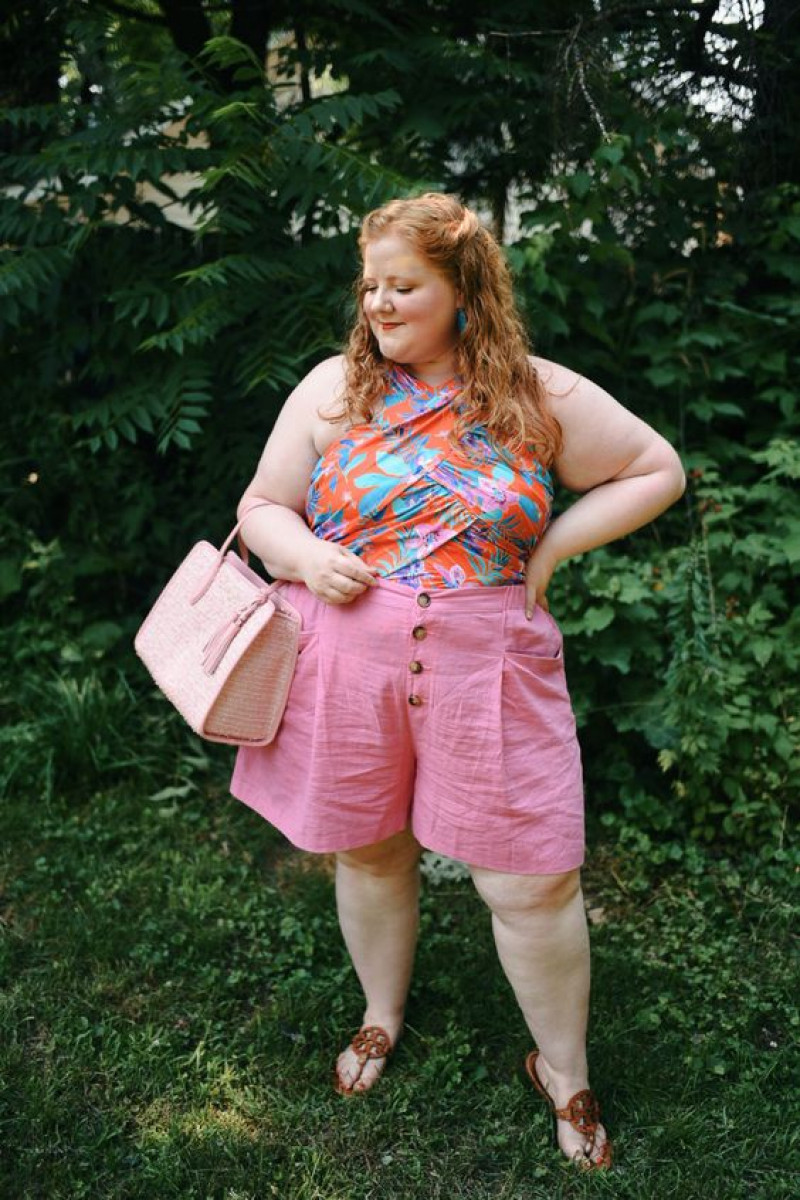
(583, 1113)
(369, 1042)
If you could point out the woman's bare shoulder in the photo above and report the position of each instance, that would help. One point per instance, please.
(569, 396)
(324, 383)
(319, 395)
(601, 438)
(558, 380)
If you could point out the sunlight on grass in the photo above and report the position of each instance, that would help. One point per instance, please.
(160, 1121)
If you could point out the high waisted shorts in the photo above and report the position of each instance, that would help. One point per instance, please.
(445, 711)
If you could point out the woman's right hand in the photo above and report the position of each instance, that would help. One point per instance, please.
(335, 574)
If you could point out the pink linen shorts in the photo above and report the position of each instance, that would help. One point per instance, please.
(444, 710)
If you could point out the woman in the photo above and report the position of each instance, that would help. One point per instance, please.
(410, 482)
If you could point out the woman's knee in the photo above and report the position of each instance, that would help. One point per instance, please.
(510, 895)
(393, 856)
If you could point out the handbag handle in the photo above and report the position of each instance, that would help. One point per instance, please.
(250, 506)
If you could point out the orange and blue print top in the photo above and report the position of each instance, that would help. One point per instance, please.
(399, 494)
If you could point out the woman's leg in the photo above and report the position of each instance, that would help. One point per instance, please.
(542, 940)
(377, 894)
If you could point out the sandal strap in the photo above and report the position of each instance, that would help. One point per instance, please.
(582, 1111)
(371, 1042)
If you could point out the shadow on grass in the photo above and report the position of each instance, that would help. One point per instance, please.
(176, 993)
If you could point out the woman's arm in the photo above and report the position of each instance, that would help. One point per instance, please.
(628, 472)
(279, 534)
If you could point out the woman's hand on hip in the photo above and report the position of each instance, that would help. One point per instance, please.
(335, 574)
(538, 573)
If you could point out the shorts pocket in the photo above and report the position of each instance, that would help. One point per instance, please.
(536, 702)
(535, 694)
(539, 639)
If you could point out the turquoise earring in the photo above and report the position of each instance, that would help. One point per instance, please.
(461, 320)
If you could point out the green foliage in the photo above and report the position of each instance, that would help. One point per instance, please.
(173, 257)
(147, 322)
(128, 332)
(685, 638)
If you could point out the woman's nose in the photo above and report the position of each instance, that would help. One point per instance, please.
(382, 301)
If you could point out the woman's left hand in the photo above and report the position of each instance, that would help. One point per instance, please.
(538, 572)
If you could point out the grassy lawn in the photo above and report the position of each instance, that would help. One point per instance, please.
(175, 992)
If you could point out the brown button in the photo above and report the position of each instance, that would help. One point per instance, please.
(423, 599)
(415, 700)
(415, 667)
(419, 632)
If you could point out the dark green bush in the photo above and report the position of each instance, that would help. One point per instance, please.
(144, 362)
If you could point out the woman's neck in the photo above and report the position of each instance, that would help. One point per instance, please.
(433, 373)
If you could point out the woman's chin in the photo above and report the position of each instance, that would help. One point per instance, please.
(393, 349)
(389, 339)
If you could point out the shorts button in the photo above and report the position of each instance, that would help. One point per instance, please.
(419, 632)
(415, 700)
(415, 667)
(423, 599)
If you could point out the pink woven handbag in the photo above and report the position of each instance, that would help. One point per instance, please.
(222, 645)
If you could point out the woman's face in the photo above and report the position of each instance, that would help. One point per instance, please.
(410, 306)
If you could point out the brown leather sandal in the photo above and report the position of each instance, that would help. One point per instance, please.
(583, 1113)
(370, 1042)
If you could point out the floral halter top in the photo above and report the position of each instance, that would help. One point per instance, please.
(401, 496)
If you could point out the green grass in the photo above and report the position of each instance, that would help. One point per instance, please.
(176, 991)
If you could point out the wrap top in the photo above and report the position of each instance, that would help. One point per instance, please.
(401, 496)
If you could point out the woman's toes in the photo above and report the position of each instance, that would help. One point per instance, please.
(578, 1148)
(347, 1069)
(597, 1153)
(356, 1068)
(362, 1079)
(570, 1142)
(373, 1069)
(593, 1152)
(355, 1077)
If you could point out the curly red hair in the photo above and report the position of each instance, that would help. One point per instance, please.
(501, 387)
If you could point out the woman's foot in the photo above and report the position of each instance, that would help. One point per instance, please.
(590, 1149)
(360, 1066)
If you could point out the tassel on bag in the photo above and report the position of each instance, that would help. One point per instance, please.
(221, 644)
(215, 649)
